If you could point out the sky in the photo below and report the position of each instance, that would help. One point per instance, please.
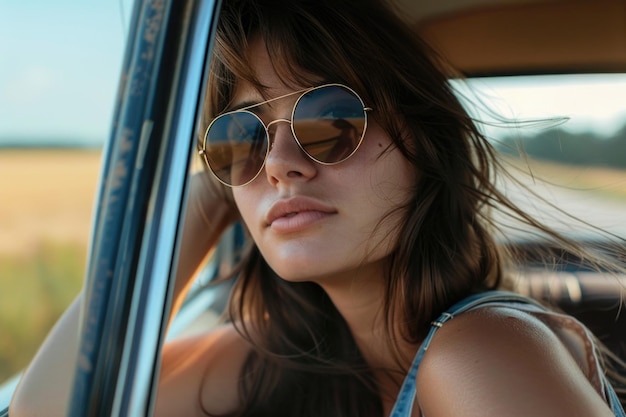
(589, 102)
(60, 62)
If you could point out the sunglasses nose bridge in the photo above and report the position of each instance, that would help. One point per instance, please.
(277, 121)
(269, 131)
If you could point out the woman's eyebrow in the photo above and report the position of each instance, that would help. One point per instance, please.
(241, 105)
(249, 104)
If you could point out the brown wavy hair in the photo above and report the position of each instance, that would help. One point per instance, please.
(306, 362)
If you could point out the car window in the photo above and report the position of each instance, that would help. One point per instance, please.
(565, 136)
(58, 80)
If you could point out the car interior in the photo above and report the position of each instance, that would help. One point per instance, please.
(519, 37)
(480, 39)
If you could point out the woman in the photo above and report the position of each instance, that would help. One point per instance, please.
(367, 191)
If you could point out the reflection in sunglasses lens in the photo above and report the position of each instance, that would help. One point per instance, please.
(236, 147)
(329, 123)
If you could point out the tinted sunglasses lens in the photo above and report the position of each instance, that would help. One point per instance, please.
(236, 145)
(329, 123)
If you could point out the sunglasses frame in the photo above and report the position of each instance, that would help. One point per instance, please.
(303, 92)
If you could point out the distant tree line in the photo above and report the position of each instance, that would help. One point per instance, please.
(571, 148)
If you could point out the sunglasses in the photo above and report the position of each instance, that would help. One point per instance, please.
(328, 123)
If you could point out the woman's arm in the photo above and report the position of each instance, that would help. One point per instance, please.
(210, 210)
(45, 386)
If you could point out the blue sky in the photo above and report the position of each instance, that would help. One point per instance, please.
(59, 66)
(60, 62)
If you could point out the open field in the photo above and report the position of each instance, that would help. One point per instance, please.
(46, 205)
(46, 195)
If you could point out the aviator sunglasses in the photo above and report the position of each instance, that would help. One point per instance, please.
(328, 123)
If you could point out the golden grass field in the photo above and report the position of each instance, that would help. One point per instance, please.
(46, 205)
(46, 195)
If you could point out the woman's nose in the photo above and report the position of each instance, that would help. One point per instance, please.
(286, 161)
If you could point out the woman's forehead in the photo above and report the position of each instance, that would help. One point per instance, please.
(274, 66)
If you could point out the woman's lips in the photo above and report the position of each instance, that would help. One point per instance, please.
(296, 214)
(298, 221)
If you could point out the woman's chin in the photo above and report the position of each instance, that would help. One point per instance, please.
(298, 275)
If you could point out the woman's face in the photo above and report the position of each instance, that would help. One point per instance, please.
(313, 222)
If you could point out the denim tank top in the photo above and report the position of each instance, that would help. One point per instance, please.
(406, 397)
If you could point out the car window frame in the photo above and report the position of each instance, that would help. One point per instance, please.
(134, 243)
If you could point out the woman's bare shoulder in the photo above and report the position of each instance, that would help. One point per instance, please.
(200, 374)
(501, 361)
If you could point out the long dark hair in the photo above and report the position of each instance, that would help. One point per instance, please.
(306, 363)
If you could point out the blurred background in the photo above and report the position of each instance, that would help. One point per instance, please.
(60, 63)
